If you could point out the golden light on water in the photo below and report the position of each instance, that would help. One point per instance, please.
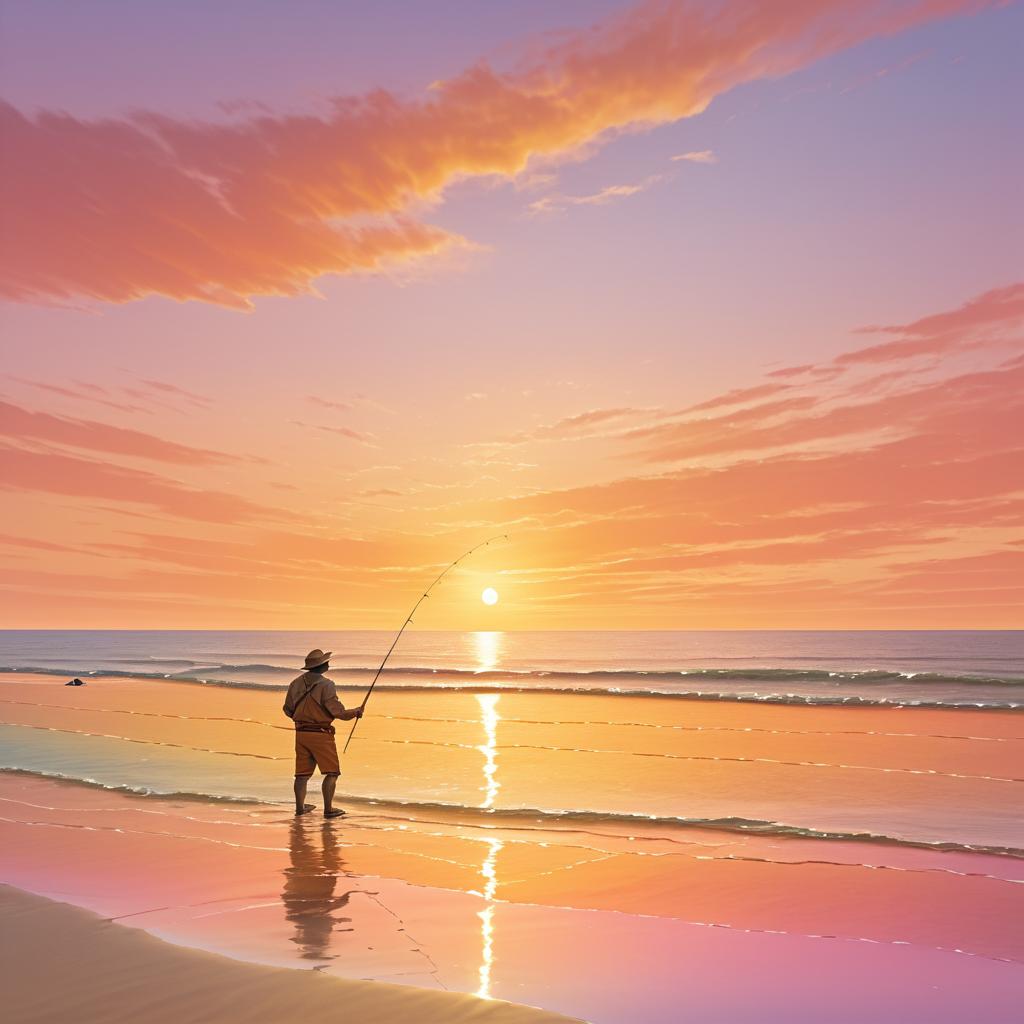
(490, 874)
(487, 649)
(489, 718)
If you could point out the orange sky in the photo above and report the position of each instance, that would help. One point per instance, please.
(274, 369)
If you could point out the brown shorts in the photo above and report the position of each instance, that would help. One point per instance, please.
(316, 750)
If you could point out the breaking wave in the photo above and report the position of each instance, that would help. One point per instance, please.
(525, 817)
(760, 685)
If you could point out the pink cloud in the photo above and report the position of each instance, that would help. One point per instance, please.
(22, 424)
(582, 422)
(725, 432)
(1001, 309)
(608, 194)
(349, 432)
(740, 395)
(79, 393)
(895, 491)
(791, 371)
(72, 477)
(35, 545)
(176, 391)
(886, 497)
(703, 156)
(121, 208)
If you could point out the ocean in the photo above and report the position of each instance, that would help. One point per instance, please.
(646, 726)
(911, 668)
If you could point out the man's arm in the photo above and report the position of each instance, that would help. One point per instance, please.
(335, 707)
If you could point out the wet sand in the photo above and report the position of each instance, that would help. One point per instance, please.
(592, 921)
(61, 963)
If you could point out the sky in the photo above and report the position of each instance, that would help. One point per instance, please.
(716, 309)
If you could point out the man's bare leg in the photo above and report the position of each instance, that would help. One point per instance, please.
(301, 807)
(328, 788)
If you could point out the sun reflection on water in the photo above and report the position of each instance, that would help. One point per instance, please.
(490, 875)
(487, 649)
(489, 717)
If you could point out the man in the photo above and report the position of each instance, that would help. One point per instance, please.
(312, 703)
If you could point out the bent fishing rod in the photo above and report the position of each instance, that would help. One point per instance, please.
(408, 620)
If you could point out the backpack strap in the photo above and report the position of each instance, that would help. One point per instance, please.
(309, 693)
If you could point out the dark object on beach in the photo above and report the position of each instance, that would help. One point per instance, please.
(75, 682)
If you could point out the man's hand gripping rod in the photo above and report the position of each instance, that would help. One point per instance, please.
(423, 597)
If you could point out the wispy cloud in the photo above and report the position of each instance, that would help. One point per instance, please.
(703, 156)
(609, 194)
(21, 424)
(583, 423)
(739, 396)
(168, 389)
(352, 434)
(81, 392)
(791, 371)
(886, 495)
(866, 496)
(987, 319)
(380, 492)
(33, 544)
(328, 404)
(117, 209)
(351, 403)
(884, 72)
(72, 476)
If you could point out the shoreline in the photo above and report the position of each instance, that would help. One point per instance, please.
(541, 918)
(61, 962)
(525, 817)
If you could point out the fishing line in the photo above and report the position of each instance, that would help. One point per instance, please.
(408, 620)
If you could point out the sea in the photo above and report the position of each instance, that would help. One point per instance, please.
(902, 736)
(912, 668)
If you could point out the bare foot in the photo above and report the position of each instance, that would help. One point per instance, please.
(305, 809)
(336, 813)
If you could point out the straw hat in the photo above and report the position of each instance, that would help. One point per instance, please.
(316, 658)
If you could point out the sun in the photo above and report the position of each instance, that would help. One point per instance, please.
(489, 596)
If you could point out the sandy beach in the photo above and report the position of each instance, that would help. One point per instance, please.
(61, 962)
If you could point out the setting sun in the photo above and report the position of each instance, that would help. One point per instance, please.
(668, 314)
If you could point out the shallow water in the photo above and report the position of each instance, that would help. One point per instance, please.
(914, 775)
(610, 924)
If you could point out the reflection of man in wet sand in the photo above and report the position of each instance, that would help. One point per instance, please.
(312, 703)
(308, 895)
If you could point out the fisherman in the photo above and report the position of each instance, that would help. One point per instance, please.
(312, 703)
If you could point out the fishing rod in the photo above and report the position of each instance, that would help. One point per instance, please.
(394, 644)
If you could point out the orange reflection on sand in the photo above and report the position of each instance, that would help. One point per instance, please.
(490, 875)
